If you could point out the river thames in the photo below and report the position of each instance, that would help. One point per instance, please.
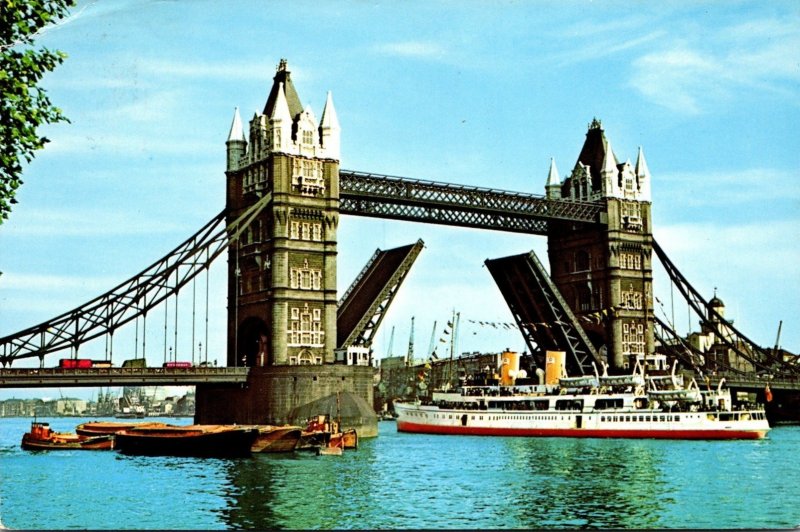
(410, 481)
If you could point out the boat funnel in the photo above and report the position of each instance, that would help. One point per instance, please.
(509, 368)
(555, 366)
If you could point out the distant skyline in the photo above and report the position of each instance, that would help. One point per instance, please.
(477, 93)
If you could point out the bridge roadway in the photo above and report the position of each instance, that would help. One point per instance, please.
(754, 382)
(59, 377)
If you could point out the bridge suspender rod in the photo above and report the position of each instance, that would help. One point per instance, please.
(132, 298)
(701, 308)
(685, 351)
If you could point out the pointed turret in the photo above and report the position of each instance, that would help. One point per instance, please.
(643, 176)
(237, 131)
(236, 143)
(281, 122)
(609, 173)
(553, 185)
(329, 130)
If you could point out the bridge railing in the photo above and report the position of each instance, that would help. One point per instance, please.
(6, 372)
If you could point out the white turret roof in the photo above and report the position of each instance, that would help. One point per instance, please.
(552, 178)
(329, 118)
(237, 131)
(641, 165)
(281, 109)
(609, 160)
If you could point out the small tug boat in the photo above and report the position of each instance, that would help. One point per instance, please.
(276, 439)
(43, 438)
(587, 406)
(322, 431)
(190, 440)
(316, 434)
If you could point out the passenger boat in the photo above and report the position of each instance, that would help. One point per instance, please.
(617, 406)
(100, 428)
(189, 440)
(43, 438)
(276, 439)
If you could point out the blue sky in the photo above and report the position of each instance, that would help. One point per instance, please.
(479, 93)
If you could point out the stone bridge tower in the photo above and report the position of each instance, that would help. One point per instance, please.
(282, 270)
(605, 272)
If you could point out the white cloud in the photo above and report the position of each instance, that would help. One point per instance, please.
(227, 71)
(690, 77)
(127, 144)
(420, 49)
(86, 222)
(32, 282)
(750, 251)
(756, 185)
(597, 49)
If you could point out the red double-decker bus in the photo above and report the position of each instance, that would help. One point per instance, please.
(177, 364)
(75, 363)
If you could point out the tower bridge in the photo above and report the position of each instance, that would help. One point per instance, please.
(289, 337)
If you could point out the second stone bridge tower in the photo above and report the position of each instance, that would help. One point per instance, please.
(604, 271)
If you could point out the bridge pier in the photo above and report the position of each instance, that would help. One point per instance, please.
(272, 392)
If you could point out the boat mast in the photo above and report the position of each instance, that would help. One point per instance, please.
(410, 353)
(453, 337)
(433, 337)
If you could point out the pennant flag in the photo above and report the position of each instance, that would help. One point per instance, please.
(449, 323)
(442, 340)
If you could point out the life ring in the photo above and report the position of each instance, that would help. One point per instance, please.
(639, 391)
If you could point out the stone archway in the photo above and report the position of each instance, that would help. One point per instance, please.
(253, 345)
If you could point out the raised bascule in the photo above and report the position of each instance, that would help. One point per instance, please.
(290, 341)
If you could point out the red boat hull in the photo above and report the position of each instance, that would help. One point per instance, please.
(405, 426)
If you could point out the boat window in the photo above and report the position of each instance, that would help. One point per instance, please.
(662, 418)
(647, 418)
(605, 404)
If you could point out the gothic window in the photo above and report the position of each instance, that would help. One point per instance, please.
(633, 338)
(630, 261)
(597, 297)
(631, 299)
(307, 176)
(311, 231)
(308, 137)
(305, 278)
(582, 261)
(277, 137)
(584, 298)
(305, 327)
